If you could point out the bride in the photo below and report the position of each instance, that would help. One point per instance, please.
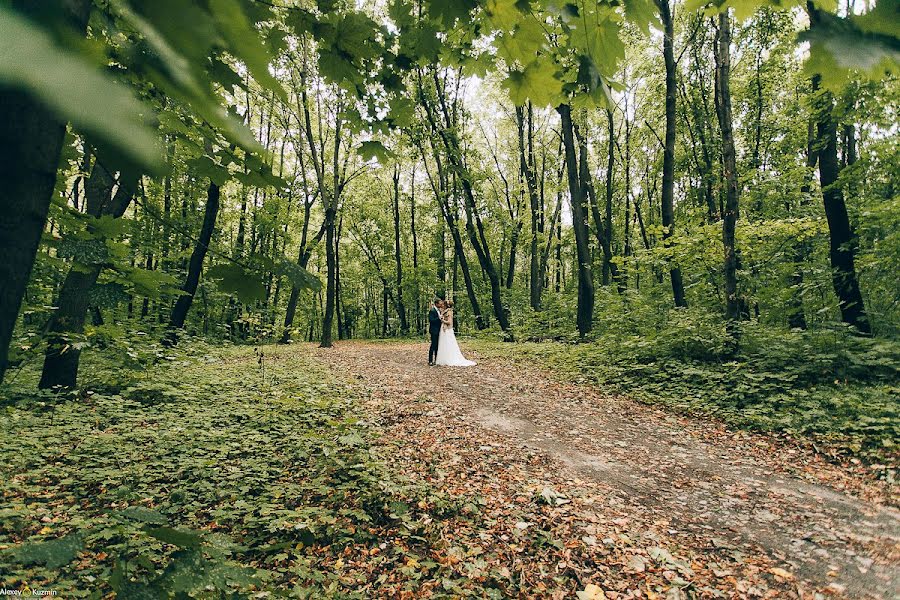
(449, 354)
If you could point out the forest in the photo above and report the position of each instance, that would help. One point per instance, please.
(223, 224)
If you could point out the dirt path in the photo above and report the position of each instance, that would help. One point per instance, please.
(635, 489)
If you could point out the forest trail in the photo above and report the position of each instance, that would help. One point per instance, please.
(739, 513)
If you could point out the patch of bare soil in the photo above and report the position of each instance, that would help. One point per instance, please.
(577, 489)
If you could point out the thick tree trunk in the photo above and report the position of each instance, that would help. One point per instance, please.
(668, 178)
(554, 220)
(585, 310)
(32, 140)
(844, 242)
(61, 358)
(305, 251)
(722, 52)
(603, 226)
(475, 230)
(195, 265)
(628, 249)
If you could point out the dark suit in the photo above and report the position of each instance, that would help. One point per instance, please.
(434, 328)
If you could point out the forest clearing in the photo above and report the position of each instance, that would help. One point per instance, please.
(450, 298)
(394, 479)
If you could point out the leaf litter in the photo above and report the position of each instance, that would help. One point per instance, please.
(572, 492)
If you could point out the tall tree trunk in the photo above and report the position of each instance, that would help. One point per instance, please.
(668, 178)
(415, 247)
(722, 53)
(474, 225)
(303, 257)
(61, 359)
(608, 220)
(513, 249)
(328, 315)
(628, 250)
(526, 166)
(384, 310)
(401, 309)
(145, 305)
(460, 253)
(195, 265)
(440, 188)
(797, 317)
(32, 141)
(844, 242)
(585, 311)
(337, 278)
(306, 248)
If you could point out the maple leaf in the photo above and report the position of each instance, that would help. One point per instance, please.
(537, 83)
(449, 11)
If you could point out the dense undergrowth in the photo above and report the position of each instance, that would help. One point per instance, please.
(209, 473)
(825, 385)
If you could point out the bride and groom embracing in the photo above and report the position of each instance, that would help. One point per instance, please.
(444, 350)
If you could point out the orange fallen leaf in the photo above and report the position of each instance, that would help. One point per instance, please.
(779, 572)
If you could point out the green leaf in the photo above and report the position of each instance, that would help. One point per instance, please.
(523, 43)
(375, 149)
(642, 13)
(225, 75)
(598, 37)
(449, 11)
(426, 44)
(838, 47)
(108, 226)
(298, 276)
(538, 82)
(355, 36)
(234, 279)
(54, 553)
(176, 537)
(204, 166)
(145, 282)
(403, 111)
(143, 514)
(245, 42)
(75, 90)
(503, 13)
(335, 67)
(190, 572)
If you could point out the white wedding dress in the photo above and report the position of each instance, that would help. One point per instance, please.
(449, 354)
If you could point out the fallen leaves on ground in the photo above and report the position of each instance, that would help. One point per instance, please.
(571, 492)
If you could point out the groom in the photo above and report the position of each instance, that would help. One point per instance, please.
(434, 329)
